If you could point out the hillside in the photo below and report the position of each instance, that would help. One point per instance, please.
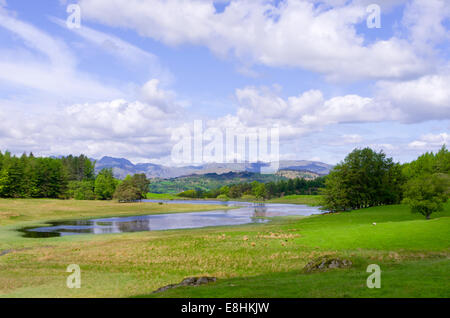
(208, 181)
(121, 167)
(292, 174)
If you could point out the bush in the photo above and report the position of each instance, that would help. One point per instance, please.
(188, 194)
(222, 197)
(248, 197)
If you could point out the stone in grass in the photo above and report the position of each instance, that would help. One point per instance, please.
(190, 281)
(324, 263)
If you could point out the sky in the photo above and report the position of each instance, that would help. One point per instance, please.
(134, 71)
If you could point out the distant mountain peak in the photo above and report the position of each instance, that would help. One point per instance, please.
(122, 167)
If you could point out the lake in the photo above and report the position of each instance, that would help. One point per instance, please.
(244, 213)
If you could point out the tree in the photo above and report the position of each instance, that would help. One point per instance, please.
(224, 190)
(426, 194)
(105, 184)
(81, 190)
(127, 191)
(365, 178)
(141, 182)
(260, 191)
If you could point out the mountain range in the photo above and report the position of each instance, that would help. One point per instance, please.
(122, 167)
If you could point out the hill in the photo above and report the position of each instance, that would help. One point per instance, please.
(208, 181)
(121, 167)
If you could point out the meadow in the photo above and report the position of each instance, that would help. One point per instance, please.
(256, 260)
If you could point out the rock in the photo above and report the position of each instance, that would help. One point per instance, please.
(189, 281)
(4, 252)
(326, 262)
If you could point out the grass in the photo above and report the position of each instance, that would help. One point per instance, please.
(313, 200)
(13, 210)
(406, 279)
(256, 260)
(163, 196)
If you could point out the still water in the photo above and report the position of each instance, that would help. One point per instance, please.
(245, 212)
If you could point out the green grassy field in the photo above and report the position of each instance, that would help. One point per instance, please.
(257, 260)
(313, 200)
(163, 196)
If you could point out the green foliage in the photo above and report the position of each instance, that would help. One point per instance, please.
(105, 184)
(132, 188)
(188, 194)
(28, 176)
(81, 190)
(35, 177)
(426, 194)
(142, 184)
(365, 178)
(259, 190)
(428, 185)
(209, 181)
(225, 190)
(428, 164)
(79, 168)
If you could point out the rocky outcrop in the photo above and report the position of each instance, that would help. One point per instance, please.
(190, 281)
(324, 263)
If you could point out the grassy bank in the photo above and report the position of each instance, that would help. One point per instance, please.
(313, 200)
(163, 196)
(13, 211)
(257, 260)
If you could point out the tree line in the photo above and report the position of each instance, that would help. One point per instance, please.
(259, 190)
(67, 177)
(367, 178)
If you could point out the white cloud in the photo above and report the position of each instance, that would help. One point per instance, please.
(308, 111)
(293, 33)
(45, 64)
(424, 20)
(430, 142)
(421, 99)
(121, 49)
(137, 129)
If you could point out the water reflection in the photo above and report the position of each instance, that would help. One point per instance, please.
(246, 213)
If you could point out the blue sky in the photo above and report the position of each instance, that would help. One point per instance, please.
(136, 70)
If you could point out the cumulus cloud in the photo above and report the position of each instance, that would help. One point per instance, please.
(308, 111)
(430, 141)
(294, 33)
(137, 129)
(421, 99)
(320, 36)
